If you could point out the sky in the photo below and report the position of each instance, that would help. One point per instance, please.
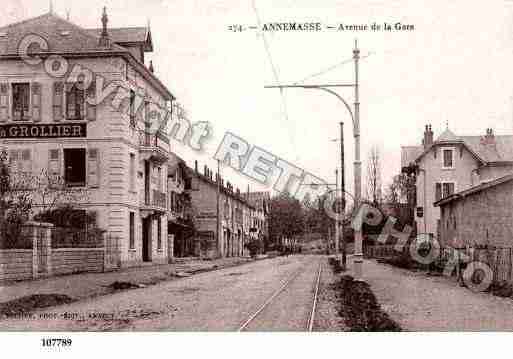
(453, 69)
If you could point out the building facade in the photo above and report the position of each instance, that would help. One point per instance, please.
(452, 164)
(58, 117)
(479, 216)
(236, 215)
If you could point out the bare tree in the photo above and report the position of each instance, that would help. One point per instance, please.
(374, 190)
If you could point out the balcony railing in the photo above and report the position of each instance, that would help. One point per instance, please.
(158, 139)
(159, 199)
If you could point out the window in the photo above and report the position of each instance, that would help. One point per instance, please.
(448, 158)
(159, 179)
(75, 101)
(448, 189)
(443, 189)
(159, 233)
(132, 172)
(20, 101)
(132, 108)
(75, 167)
(132, 230)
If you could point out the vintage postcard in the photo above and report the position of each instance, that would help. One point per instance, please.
(255, 166)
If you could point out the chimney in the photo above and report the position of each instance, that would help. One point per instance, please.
(489, 138)
(152, 70)
(428, 137)
(104, 37)
(196, 166)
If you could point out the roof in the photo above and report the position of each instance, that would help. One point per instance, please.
(259, 199)
(475, 189)
(127, 35)
(500, 150)
(223, 189)
(52, 27)
(69, 40)
(446, 136)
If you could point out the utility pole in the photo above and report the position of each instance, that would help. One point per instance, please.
(355, 117)
(337, 219)
(342, 196)
(358, 250)
(218, 221)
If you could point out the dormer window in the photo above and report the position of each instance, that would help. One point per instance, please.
(448, 158)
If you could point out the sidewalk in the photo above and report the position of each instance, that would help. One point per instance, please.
(422, 303)
(81, 286)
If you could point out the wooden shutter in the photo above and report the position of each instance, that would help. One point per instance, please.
(58, 101)
(4, 101)
(54, 166)
(93, 168)
(91, 105)
(26, 161)
(438, 191)
(36, 101)
(70, 101)
(15, 160)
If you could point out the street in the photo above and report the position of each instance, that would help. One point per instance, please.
(222, 300)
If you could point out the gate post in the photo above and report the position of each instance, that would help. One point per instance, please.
(32, 233)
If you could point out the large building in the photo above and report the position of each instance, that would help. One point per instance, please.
(452, 164)
(53, 119)
(236, 218)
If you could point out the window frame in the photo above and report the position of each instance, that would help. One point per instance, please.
(442, 183)
(131, 230)
(11, 95)
(83, 115)
(75, 184)
(453, 158)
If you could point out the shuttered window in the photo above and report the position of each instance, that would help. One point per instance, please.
(36, 101)
(58, 99)
(4, 102)
(438, 191)
(20, 101)
(93, 168)
(20, 161)
(91, 104)
(448, 189)
(75, 167)
(131, 226)
(75, 101)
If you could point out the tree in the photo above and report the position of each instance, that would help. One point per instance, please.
(15, 204)
(286, 217)
(374, 190)
(23, 192)
(401, 192)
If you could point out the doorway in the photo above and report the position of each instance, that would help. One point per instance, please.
(146, 239)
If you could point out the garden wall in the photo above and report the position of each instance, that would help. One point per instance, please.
(16, 264)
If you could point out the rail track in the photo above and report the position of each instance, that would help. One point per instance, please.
(275, 296)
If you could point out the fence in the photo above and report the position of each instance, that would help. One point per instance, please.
(499, 260)
(57, 251)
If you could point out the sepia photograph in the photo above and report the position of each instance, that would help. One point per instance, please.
(186, 167)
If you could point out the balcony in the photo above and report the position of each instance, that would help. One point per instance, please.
(154, 146)
(158, 199)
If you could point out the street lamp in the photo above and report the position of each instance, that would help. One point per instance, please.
(355, 117)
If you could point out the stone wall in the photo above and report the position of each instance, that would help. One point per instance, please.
(481, 218)
(16, 264)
